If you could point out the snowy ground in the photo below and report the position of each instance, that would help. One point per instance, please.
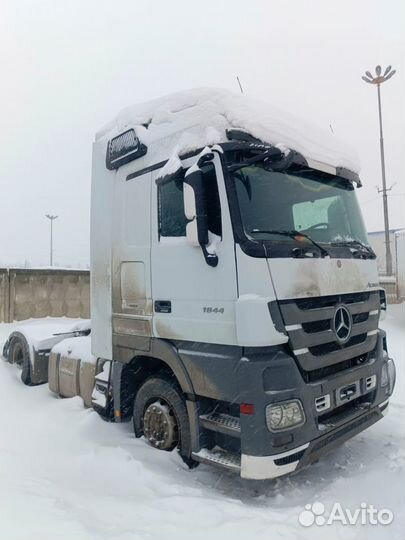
(66, 474)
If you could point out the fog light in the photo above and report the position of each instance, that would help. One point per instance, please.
(285, 415)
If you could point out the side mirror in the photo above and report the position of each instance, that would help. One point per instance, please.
(195, 205)
(195, 209)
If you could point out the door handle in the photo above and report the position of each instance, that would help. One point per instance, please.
(163, 306)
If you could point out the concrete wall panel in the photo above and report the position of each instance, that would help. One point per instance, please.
(4, 292)
(33, 293)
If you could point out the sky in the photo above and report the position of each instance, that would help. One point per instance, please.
(68, 67)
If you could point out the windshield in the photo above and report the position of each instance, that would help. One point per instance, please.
(321, 206)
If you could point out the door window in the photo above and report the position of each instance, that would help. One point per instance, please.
(172, 220)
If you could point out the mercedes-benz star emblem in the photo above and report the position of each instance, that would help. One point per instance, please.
(342, 324)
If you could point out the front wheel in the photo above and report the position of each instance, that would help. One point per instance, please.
(160, 414)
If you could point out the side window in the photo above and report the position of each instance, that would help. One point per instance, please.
(172, 220)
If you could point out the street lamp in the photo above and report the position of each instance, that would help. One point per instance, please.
(378, 79)
(51, 219)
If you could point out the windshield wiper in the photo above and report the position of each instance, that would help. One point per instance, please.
(356, 243)
(293, 234)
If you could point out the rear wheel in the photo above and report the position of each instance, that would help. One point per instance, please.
(160, 426)
(19, 353)
(160, 414)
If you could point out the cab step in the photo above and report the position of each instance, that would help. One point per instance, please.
(223, 423)
(219, 458)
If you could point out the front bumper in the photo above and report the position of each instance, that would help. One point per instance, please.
(274, 466)
(330, 402)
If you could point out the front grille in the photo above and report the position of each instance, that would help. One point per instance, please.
(316, 326)
(360, 317)
(328, 371)
(309, 323)
(332, 346)
(316, 302)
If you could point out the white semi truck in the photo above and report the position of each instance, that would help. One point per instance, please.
(235, 297)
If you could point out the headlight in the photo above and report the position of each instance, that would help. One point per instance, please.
(392, 375)
(384, 374)
(285, 415)
(388, 375)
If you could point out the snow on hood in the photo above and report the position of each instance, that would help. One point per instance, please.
(189, 120)
(46, 331)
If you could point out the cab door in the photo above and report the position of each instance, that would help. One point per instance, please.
(192, 301)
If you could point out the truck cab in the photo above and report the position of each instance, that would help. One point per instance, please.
(235, 296)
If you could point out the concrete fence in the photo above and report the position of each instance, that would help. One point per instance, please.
(32, 293)
(389, 283)
(395, 285)
(4, 295)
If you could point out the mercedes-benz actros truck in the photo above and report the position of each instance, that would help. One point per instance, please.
(235, 301)
(235, 296)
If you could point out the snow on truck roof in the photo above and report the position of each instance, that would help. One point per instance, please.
(189, 120)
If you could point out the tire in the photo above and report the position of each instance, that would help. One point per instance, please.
(159, 390)
(19, 353)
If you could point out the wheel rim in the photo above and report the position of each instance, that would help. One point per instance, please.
(160, 425)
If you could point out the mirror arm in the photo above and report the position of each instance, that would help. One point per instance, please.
(210, 258)
(193, 178)
(205, 158)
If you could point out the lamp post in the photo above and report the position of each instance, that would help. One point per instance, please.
(51, 219)
(377, 80)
